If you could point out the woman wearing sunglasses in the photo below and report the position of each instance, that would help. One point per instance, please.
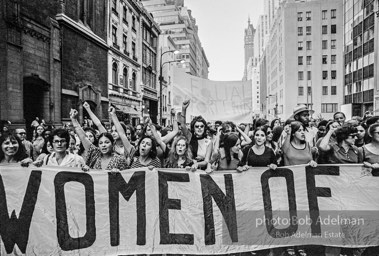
(201, 146)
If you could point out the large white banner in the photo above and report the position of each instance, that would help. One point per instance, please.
(58, 211)
(214, 100)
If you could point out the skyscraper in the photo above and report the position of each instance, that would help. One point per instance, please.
(249, 45)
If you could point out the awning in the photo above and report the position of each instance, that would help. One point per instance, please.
(126, 109)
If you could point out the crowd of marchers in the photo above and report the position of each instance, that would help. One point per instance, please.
(199, 145)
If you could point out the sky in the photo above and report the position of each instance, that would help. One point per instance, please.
(222, 25)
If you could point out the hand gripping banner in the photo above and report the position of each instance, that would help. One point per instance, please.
(61, 211)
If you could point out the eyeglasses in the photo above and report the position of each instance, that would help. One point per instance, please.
(22, 133)
(128, 134)
(199, 126)
(228, 131)
(59, 141)
(269, 132)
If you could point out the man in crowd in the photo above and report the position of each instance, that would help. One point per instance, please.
(21, 134)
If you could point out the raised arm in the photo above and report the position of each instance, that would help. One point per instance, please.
(79, 130)
(127, 146)
(156, 136)
(182, 120)
(94, 118)
(246, 138)
(175, 129)
(324, 143)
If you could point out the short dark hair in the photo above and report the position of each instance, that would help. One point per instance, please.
(107, 135)
(62, 133)
(343, 132)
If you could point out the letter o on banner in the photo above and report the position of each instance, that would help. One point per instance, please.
(66, 242)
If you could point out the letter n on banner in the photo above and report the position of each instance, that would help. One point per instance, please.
(226, 203)
(118, 185)
(165, 204)
(288, 175)
(66, 242)
(314, 192)
(16, 231)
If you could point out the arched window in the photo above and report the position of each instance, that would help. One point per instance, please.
(134, 81)
(125, 77)
(114, 73)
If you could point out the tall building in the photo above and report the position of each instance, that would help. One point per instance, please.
(360, 85)
(132, 73)
(248, 46)
(253, 74)
(305, 58)
(176, 20)
(261, 36)
(53, 56)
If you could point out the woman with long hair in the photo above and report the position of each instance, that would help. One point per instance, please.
(180, 155)
(47, 149)
(12, 150)
(296, 150)
(258, 154)
(102, 157)
(38, 140)
(146, 154)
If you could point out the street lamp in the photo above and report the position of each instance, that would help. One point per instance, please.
(276, 103)
(161, 81)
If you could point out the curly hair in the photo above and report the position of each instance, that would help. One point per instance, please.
(173, 155)
(21, 152)
(343, 132)
(62, 133)
(199, 119)
(153, 150)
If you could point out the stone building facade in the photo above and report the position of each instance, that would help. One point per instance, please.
(53, 56)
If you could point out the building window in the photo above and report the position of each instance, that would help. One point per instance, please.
(333, 74)
(124, 43)
(323, 14)
(333, 90)
(333, 13)
(325, 90)
(333, 44)
(114, 73)
(309, 60)
(333, 29)
(114, 35)
(329, 107)
(300, 45)
(324, 29)
(309, 75)
(300, 31)
(300, 60)
(134, 50)
(125, 15)
(134, 22)
(125, 77)
(309, 30)
(134, 81)
(309, 45)
(324, 59)
(324, 75)
(300, 75)
(324, 44)
(300, 91)
(308, 15)
(114, 7)
(309, 90)
(299, 16)
(333, 59)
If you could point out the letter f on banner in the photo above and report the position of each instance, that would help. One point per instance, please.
(16, 231)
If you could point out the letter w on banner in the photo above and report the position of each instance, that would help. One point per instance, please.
(226, 101)
(61, 211)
